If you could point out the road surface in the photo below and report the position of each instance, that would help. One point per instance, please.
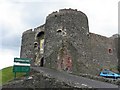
(76, 81)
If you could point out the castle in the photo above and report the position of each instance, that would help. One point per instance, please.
(64, 43)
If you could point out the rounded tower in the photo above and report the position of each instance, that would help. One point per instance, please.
(66, 34)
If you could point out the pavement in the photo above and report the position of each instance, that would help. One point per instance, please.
(75, 81)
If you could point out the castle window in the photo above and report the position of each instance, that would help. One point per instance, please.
(40, 34)
(35, 46)
(59, 30)
(35, 43)
(42, 62)
(110, 50)
(55, 15)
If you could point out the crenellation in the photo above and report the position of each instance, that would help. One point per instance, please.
(64, 12)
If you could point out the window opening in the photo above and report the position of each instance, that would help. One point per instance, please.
(40, 34)
(110, 50)
(42, 62)
(59, 30)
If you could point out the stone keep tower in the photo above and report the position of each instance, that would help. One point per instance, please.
(66, 41)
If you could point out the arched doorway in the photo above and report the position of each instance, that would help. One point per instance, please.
(40, 40)
(42, 62)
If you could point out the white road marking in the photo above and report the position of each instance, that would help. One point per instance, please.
(84, 85)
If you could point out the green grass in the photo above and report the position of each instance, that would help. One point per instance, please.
(7, 75)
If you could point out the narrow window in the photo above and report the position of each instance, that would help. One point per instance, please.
(55, 15)
(110, 50)
(42, 62)
(35, 44)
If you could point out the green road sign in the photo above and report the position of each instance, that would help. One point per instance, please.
(21, 68)
(22, 60)
(21, 65)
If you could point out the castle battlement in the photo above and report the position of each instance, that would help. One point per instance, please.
(64, 12)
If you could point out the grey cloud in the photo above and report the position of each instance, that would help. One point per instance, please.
(34, 13)
(12, 43)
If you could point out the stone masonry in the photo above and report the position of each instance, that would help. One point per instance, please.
(27, 45)
(64, 43)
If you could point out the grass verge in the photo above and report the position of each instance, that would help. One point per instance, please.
(7, 75)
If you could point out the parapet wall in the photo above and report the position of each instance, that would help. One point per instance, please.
(65, 12)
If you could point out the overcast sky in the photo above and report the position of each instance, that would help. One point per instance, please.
(16, 16)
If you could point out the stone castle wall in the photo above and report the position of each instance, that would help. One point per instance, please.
(69, 46)
(89, 53)
(27, 45)
(103, 53)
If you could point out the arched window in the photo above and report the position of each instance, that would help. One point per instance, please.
(40, 34)
(35, 44)
(59, 30)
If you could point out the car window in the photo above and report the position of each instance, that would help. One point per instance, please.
(105, 73)
(111, 73)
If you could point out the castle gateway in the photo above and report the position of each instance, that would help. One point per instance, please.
(65, 43)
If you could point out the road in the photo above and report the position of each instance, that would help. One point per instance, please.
(76, 81)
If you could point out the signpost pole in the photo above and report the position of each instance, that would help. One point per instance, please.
(14, 75)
